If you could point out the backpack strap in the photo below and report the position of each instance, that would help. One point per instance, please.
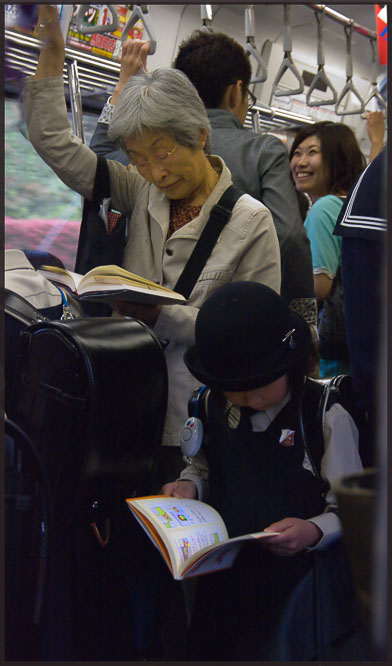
(21, 309)
(319, 396)
(197, 404)
(220, 215)
(312, 417)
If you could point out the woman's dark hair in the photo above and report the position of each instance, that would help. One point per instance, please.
(39, 258)
(340, 152)
(304, 202)
(213, 61)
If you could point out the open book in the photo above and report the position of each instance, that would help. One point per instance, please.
(107, 284)
(190, 535)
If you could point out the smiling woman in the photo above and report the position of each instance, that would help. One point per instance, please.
(168, 195)
(309, 172)
(325, 161)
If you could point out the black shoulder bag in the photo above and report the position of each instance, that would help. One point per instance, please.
(96, 247)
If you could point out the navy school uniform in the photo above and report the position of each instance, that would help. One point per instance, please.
(362, 223)
(263, 607)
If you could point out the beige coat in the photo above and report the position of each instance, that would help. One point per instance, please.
(247, 249)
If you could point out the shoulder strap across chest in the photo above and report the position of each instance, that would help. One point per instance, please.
(220, 215)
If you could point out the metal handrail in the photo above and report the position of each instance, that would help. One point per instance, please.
(340, 18)
(279, 116)
(349, 86)
(321, 75)
(141, 12)
(287, 63)
(24, 41)
(250, 46)
(84, 29)
(76, 100)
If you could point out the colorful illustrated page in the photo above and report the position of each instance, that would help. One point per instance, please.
(175, 515)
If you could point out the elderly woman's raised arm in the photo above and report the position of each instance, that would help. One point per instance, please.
(49, 129)
(51, 59)
(46, 111)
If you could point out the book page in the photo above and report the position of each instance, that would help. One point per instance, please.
(213, 560)
(90, 283)
(103, 292)
(154, 536)
(221, 556)
(186, 526)
(121, 275)
(62, 276)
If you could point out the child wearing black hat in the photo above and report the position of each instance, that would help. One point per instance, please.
(251, 350)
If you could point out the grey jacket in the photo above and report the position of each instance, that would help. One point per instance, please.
(259, 165)
(247, 249)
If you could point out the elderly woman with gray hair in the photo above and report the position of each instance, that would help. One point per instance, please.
(168, 192)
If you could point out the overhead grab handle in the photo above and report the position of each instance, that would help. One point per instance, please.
(141, 12)
(287, 64)
(375, 94)
(321, 76)
(250, 46)
(86, 29)
(349, 86)
(206, 17)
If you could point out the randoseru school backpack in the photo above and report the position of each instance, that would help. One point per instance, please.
(91, 396)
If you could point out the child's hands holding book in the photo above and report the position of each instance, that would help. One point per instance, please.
(295, 535)
(180, 489)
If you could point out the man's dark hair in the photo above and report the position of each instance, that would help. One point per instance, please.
(213, 61)
(340, 152)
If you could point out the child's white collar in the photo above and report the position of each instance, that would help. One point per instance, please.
(261, 420)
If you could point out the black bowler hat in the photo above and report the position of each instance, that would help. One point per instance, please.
(246, 337)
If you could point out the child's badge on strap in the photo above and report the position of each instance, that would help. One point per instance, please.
(287, 437)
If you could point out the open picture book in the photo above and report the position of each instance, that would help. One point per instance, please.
(190, 535)
(107, 284)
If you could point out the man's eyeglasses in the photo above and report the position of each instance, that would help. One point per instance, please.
(160, 159)
(252, 99)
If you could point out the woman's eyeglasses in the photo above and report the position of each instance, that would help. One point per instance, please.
(160, 159)
(252, 99)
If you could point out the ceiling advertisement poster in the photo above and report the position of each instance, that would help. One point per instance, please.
(107, 44)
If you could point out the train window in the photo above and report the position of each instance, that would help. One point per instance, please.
(40, 211)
